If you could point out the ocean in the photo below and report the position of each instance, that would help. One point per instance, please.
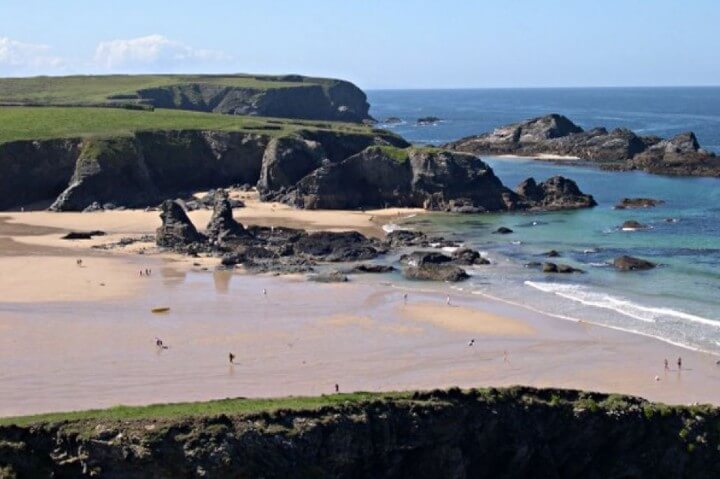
(678, 302)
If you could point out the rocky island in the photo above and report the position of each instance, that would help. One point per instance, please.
(618, 149)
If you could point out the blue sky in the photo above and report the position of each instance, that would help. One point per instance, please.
(377, 44)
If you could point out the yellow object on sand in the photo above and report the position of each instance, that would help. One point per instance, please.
(162, 309)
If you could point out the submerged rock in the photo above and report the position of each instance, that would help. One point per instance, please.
(333, 276)
(373, 268)
(632, 225)
(638, 203)
(503, 230)
(549, 267)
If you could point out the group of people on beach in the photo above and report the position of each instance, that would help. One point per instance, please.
(679, 364)
(145, 272)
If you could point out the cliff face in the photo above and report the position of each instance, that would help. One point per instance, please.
(517, 432)
(147, 167)
(619, 149)
(336, 100)
(430, 178)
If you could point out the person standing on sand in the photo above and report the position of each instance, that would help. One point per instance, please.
(679, 363)
(337, 388)
(405, 298)
(447, 301)
(231, 357)
(667, 365)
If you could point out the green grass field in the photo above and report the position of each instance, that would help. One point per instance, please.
(37, 123)
(96, 89)
(208, 408)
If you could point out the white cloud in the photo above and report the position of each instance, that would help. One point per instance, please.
(24, 57)
(151, 51)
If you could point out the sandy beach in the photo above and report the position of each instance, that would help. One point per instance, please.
(81, 337)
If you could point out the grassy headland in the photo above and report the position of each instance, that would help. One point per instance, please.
(38, 123)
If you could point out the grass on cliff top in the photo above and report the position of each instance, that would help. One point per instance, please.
(207, 408)
(88, 89)
(40, 123)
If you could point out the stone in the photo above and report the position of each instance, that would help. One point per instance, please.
(177, 230)
(629, 263)
(333, 276)
(503, 231)
(436, 272)
(372, 268)
(222, 226)
(78, 235)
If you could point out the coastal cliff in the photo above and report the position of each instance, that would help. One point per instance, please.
(493, 433)
(146, 167)
(282, 96)
(619, 149)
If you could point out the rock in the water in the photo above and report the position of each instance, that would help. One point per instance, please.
(632, 225)
(222, 226)
(468, 257)
(549, 267)
(555, 135)
(503, 230)
(373, 268)
(177, 230)
(638, 203)
(555, 193)
(420, 258)
(552, 254)
(629, 263)
(436, 272)
(333, 276)
(428, 120)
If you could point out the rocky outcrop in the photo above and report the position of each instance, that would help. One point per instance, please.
(556, 193)
(435, 272)
(287, 160)
(177, 231)
(294, 97)
(436, 179)
(222, 226)
(549, 267)
(488, 433)
(146, 167)
(628, 203)
(617, 149)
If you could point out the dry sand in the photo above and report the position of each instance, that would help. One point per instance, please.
(464, 320)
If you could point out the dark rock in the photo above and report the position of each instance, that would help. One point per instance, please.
(551, 254)
(222, 226)
(76, 235)
(392, 120)
(559, 268)
(555, 193)
(373, 268)
(629, 263)
(617, 149)
(286, 161)
(467, 256)
(435, 272)
(627, 203)
(428, 120)
(344, 246)
(420, 258)
(633, 225)
(503, 231)
(333, 276)
(177, 230)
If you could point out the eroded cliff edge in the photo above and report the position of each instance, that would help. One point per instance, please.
(493, 433)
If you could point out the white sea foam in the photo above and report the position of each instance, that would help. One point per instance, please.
(649, 314)
(450, 249)
(390, 227)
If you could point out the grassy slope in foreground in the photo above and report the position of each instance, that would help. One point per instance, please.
(235, 406)
(39, 123)
(92, 89)
(593, 402)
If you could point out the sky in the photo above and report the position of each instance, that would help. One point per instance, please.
(376, 44)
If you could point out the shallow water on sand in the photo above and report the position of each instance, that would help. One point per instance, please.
(679, 301)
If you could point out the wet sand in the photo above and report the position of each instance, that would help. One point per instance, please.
(67, 343)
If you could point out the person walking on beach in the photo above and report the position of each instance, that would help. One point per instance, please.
(337, 388)
(79, 262)
(405, 298)
(667, 365)
(264, 292)
(447, 301)
(679, 362)
(472, 342)
(231, 357)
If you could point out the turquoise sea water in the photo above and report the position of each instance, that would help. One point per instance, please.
(679, 301)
